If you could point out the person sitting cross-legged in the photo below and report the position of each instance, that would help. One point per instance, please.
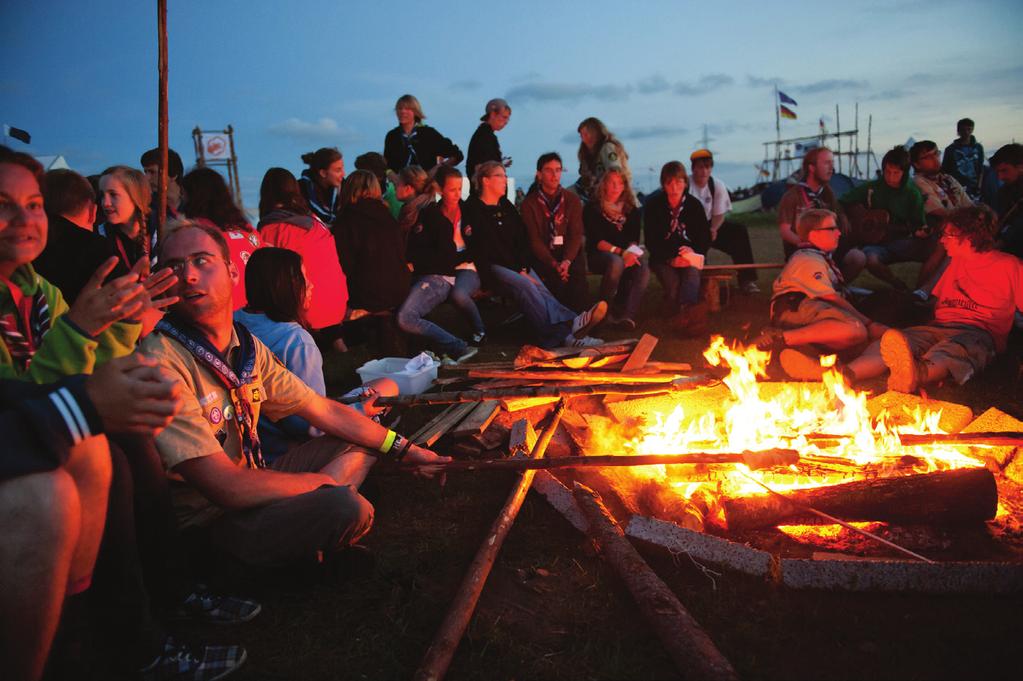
(307, 504)
(977, 296)
(810, 304)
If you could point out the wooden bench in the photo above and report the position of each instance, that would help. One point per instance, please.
(713, 277)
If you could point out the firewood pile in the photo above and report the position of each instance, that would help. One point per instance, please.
(487, 416)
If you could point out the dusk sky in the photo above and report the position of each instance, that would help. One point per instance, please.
(292, 77)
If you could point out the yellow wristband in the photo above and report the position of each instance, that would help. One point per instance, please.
(388, 441)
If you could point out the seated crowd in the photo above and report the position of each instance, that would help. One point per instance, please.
(161, 376)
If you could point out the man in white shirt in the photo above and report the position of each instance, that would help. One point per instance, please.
(726, 236)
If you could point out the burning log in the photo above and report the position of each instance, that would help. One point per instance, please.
(754, 460)
(438, 657)
(627, 387)
(956, 496)
(997, 439)
(692, 650)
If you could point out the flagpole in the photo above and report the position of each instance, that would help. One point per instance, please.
(777, 132)
(161, 200)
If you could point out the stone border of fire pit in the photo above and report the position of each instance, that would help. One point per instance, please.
(830, 574)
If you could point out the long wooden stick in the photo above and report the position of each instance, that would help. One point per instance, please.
(1007, 439)
(454, 397)
(589, 376)
(689, 646)
(754, 460)
(438, 657)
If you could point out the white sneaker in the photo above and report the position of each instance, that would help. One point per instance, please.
(469, 352)
(584, 342)
(585, 322)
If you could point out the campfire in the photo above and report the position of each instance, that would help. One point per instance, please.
(806, 485)
(839, 441)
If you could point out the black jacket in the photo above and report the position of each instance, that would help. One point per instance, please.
(372, 254)
(694, 232)
(71, 256)
(495, 235)
(598, 228)
(431, 244)
(482, 147)
(427, 144)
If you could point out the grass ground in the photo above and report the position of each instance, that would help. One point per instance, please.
(552, 610)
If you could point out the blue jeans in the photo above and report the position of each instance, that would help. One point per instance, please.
(681, 285)
(467, 283)
(622, 287)
(551, 321)
(428, 292)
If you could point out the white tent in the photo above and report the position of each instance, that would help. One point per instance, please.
(57, 162)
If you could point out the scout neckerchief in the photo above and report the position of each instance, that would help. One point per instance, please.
(811, 198)
(554, 211)
(676, 224)
(413, 158)
(233, 378)
(23, 330)
(614, 213)
(839, 279)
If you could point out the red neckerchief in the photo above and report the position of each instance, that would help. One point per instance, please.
(676, 224)
(23, 331)
(554, 211)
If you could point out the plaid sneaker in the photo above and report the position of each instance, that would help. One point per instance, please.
(204, 605)
(199, 663)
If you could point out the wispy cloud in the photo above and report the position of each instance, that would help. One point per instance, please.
(323, 129)
(888, 95)
(652, 85)
(829, 85)
(706, 84)
(567, 92)
(770, 81)
(465, 85)
(642, 132)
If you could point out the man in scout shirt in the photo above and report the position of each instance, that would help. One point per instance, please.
(308, 503)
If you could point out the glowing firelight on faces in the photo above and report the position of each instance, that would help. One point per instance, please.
(759, 415)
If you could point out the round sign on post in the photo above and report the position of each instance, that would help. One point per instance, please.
(215, 147)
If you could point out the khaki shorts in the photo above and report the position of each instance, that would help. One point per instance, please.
(963, 350)
(812, 310)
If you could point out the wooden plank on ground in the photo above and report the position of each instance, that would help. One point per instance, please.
(514, 404)
(641, 353)
(586, 377)
(478, 419)
(453, 417)
(431, 423)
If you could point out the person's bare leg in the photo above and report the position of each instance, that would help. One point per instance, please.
(883, 272)
(869, 364)
(350, 468)
(89, 466)
(42, 514)
(829, 332)
(852, 264)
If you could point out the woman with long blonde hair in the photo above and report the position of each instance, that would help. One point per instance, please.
(613, 224)
(125, 198)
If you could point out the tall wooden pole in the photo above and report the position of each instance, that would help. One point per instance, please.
(161, 191)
